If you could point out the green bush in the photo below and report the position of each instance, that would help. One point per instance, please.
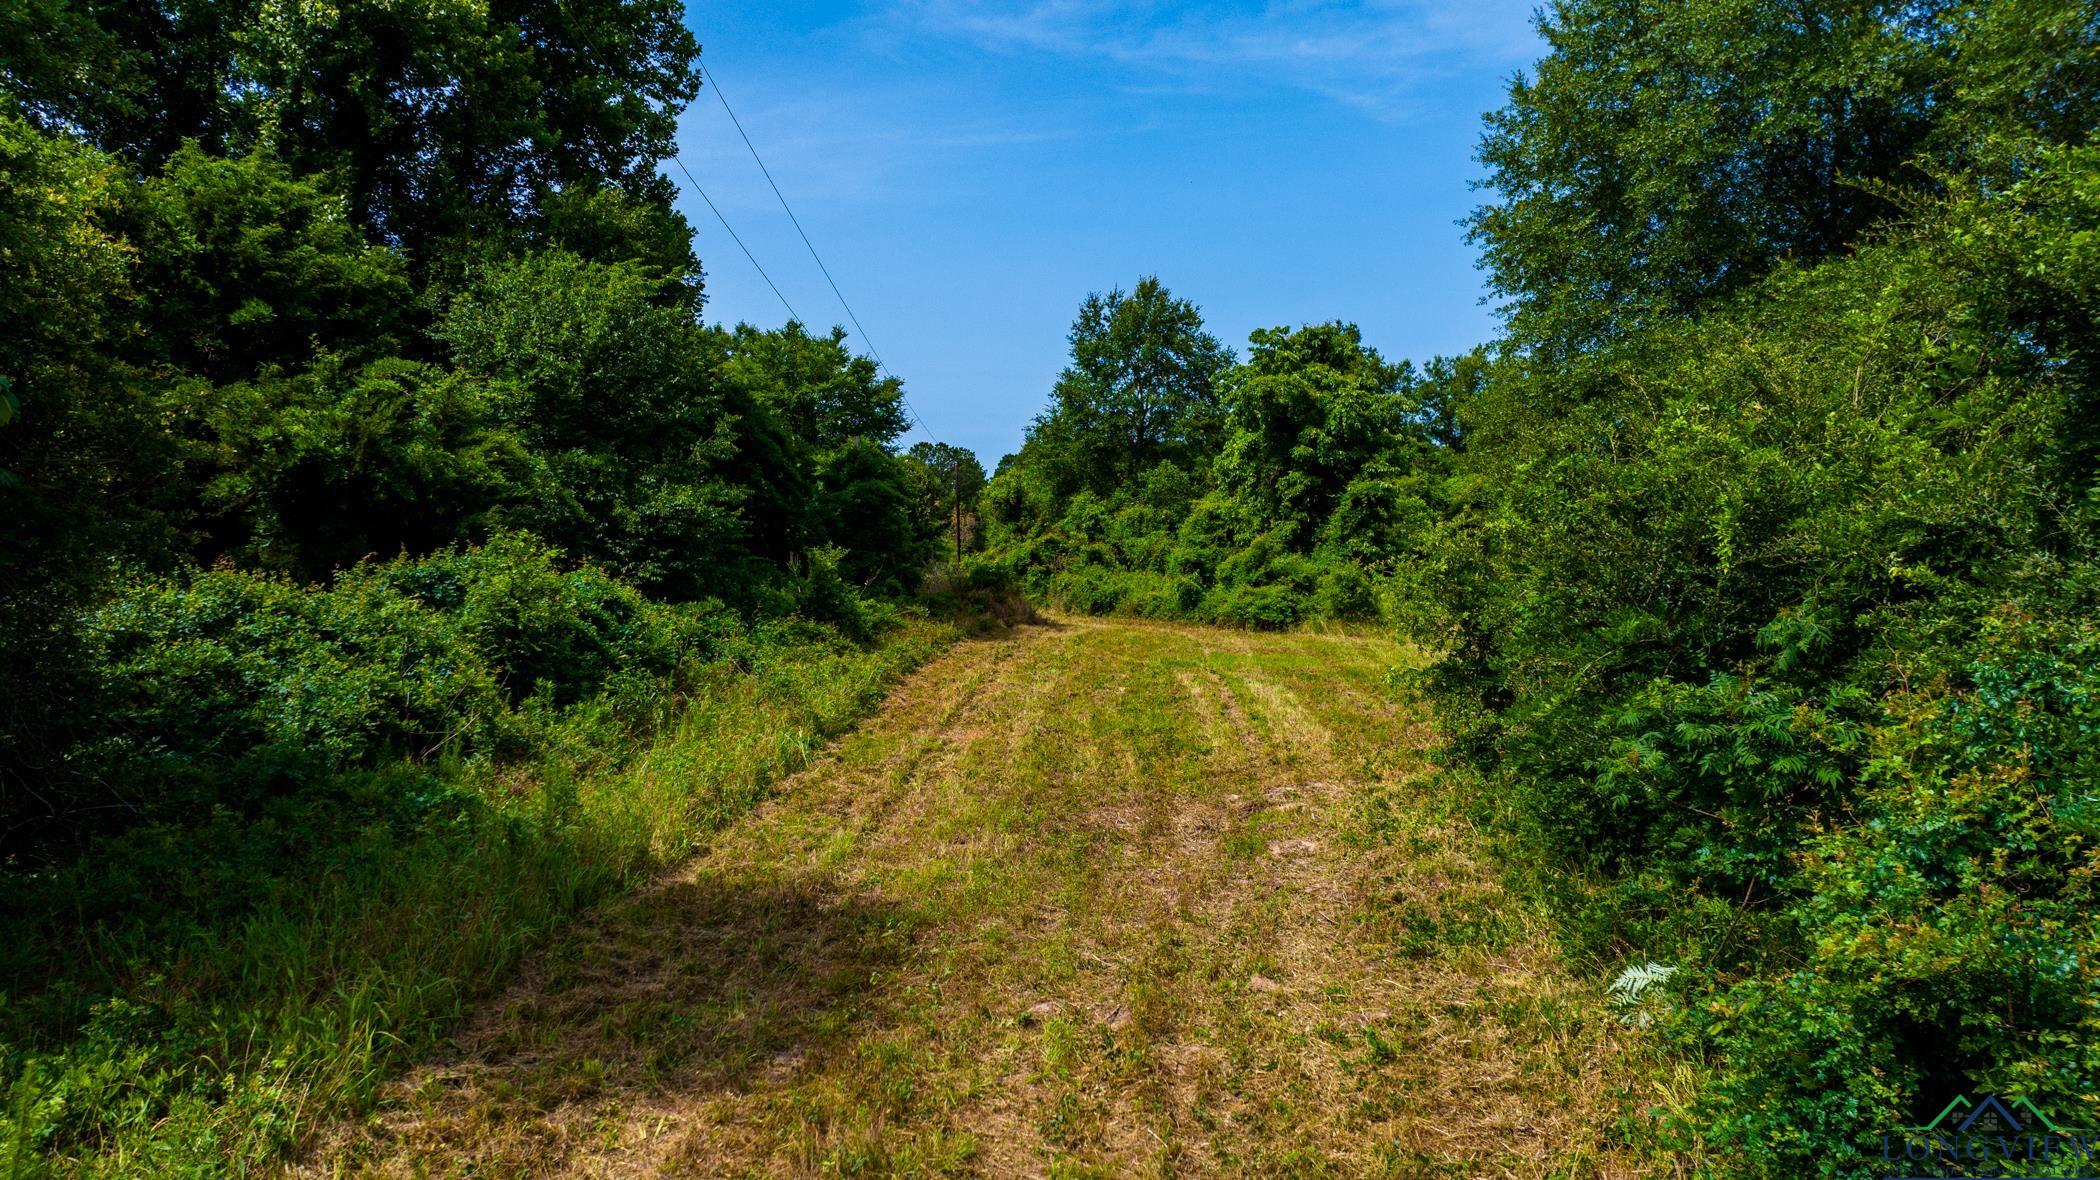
(1343, 591)
(228, 668)
(1950, 934)
(823, 595)
(313, 471)
(1088, 589)
(259, 680)
(1160, 596)
(1267, 607)
(545, 630)
(369, 496)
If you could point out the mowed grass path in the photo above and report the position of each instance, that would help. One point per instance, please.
(1100, 899)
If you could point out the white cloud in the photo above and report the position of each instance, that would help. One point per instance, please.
(837, 144)
(1370, 54)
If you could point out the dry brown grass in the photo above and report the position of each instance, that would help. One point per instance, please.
(1103, 899)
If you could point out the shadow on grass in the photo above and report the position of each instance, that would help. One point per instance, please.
(689, 987)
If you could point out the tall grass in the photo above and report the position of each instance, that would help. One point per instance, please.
(157, 1046)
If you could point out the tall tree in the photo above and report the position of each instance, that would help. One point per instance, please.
(1307, 413)
(77, 442)
(1666, 151)
(1142, 384)
(455, 117)
(949, 479)
(634, 442)
(137, 78)
(815, 385)
(441, 120)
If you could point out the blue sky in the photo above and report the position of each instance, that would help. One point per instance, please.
(971, 171)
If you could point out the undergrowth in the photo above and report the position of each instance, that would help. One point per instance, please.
(189, 999)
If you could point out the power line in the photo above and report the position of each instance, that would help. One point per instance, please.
(709, 78)
(768, 173)
(739, 241)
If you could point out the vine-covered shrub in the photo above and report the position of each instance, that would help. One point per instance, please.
(225, 666)
(224, 683)
(1764, 596)
(1950, 935)
(550, 630)
(1299, 482)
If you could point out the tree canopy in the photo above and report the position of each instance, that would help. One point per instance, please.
(296, 288)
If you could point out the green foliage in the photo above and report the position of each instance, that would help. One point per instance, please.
(823, 595)
(1141, 387)
(251, 268)
(225, 686)
(1664, 153)
(77, 449)
(232, 667)
(867, 509)
(1762, 581)
(549, 633)
(443, 122)
(370, 495)
(1950, 939)
(609, 225)
(110, 69)
(629, 440)
(1304, 487)
(363, 341)
(813, 385)
(314, 471)
(1308, 413)
(946, 482)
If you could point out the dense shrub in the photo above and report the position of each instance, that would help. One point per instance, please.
(1763, 586)
(228, 683)
(227, 666)
(251, 267)
(1711, 547)
(1288, 498)
(823, 595)
(1949, 933)
(314, 471)
(549, 631)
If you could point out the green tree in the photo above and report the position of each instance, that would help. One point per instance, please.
(441, 120)
(1666, 152)
(80, 459)
(632, 440)
(456, 118)
(1772, 618)
(610, 225)
(814, 385)
(1306, 415)
(1141, 385)
(312, 472)
(865, 508)
(250, 267)
(137, 78)
(808, 398)
(947, 481)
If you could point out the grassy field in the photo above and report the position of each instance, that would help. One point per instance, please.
(1097, 899)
